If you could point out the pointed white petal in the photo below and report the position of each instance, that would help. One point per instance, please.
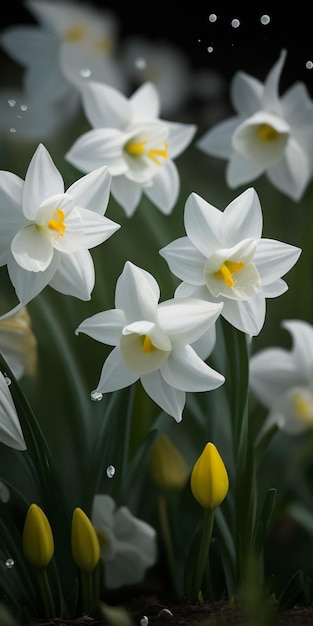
(271, 84)
(105, 106)
(272, 372)
(171, 400)
(202, 224)
(105, 327)
(126, 193)
(32, 250)
(92, 191)
(97, 228)
(218, 140)
(185, 370)
(246, 315)
(29, 284)
(302, 348)
(42, 180)
(274, 258)
(186, 319)
(180, 136)
(292, 173)
(145, 102)
(242, 218)
(137, 293)
(184, 260)
(115, 374)
(10, 429)
(240, 170)
(246, 94)
(97, 148)
(75, 275)
(165, 188)
(12, 218)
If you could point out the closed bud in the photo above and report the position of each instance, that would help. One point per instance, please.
(168, 467)
(85, 543)
(209, 479)
(38, 544)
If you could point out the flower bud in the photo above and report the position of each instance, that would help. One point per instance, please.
(85, 543)
(168, 467)
(209, 479)
(38, 544)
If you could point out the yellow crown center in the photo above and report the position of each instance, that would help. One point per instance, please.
(266, 132)
(147, 345)
(155, 154)
(227, 270)
(56, 223)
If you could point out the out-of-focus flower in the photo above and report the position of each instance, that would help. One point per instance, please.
(38, 543)
(72, 43)
(10, 429)
(162, 63)
(269, 134)
(169, 469)
(46, 232)
(209, 479)
(152, 341)
(282, 380)
(128, 544)
(18, 344)
(224, 258)
(134, 143)
(84, 541)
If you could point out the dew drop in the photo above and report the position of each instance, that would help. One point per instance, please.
(110, 471)
(265, 19)
(85, 72)
(309, 65)
(11, 102)
(23, 107)
(141, 63)
(7, 379)
(12, 130)
(212, 17)
(144, 621)
(210, 49)
(165, 613)
(9, 563)
(96, 396)
(4, 492)
(235, 23)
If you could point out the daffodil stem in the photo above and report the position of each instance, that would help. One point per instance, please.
(86, 582)
(203, 552)
(166, 533)
(46, 593)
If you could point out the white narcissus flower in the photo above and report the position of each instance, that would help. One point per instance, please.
(152, 341)
(270, 134)
(128, 544)
(10, 429)
(282, 380)
(71, 44)
(224, 258)
(46, 232)
(137, 146)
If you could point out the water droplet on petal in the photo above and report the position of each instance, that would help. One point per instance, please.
(235, 23)
(144, 621)
(210, 49)
(165, 613)
(265, 19)
(11, 102)
(212, 17)
(85, 72)
(9, 563)
(141, 63)
(309, 65)
(96, 396)
(110, 471)
(7, 379)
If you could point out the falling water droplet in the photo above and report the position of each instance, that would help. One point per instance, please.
(23, 107)
(85, 72)
(212, 17)
(141, 63)
(309, 65)
(96, 396)
(110, 471)
(235, 23)
(265, 19)
(12, 130)
(9, 563)
(210, 49)
(144, 621)
(11, 102)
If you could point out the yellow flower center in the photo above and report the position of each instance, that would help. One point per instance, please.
(227, 270)
(75, 33)
(156, 154)
(147, 345)
(56, 222)
(302, 408)
(266, 132)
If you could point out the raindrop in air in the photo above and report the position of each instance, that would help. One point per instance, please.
(12, 130)
(23, 107)
(210, 49)
(11, 102)
(9, 563)
(110, 471)
(141, 63)
(212, 17)
(85, 72)
(309, 65)
(144, 621)
(96, 396)
(235, 23)
(265, 19)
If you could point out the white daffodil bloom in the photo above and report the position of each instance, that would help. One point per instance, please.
(71, 44)
(10, 429)
(270, 134)
(152, 341)
(224, 258)
(133, 142)
(46, 232)
(282, 380)
(128, 544)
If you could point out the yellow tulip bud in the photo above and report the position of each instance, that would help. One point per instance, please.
(209, 479)
(85, 543)
(38, 544)
(168, 467)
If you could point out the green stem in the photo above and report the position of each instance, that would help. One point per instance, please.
(86, 580)
(46, 594)
(203, 553)
(166, 533)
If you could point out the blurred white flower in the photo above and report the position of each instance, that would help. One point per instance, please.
(72, 43)
(46, 232)
(18, 344)
(128, 544)
(282, 380)
(270, 134)
(134, 143)
(10, 429)
(152, 341)
(224, 259)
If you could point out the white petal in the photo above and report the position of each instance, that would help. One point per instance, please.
(32, 250)
(29, 284)
(75, 275)
(10, 429)
(184, 260)
(248, 143)
(240, 170)
(218, 140)
(12, 218)
(126, 193)
(202, 224)
(185, 370)
(97, 228)
(145, 102)
(97, 148)
(292, 173)
(105, 106)
(92, 191)
(115, 374)
(246, 94)
(180, 136)
(272, 372)
(171, 400)
(274, 259)
(137, 293)
(242, 218)
(271, 83)
(205, 345)
(165, 188)
(302, 348)
(42, 180)
(186, 319)
(246, 315)
(105, 327)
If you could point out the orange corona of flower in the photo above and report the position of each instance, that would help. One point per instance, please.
(209, 479)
